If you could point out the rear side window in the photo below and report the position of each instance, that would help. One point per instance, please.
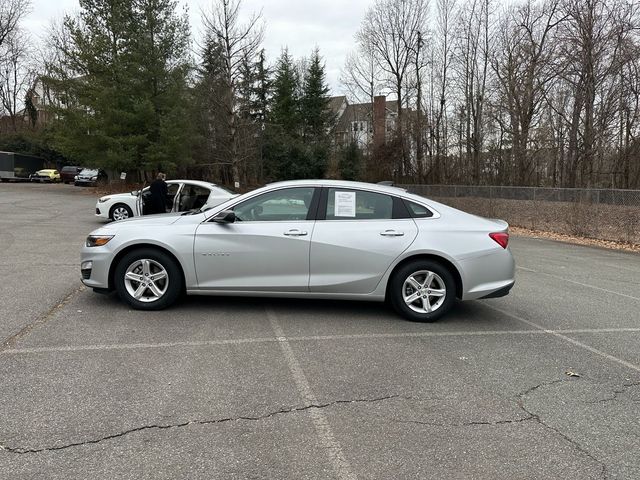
(343, 204)
(418, 211)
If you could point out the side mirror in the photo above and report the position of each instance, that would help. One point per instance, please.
(225, 216)
(135, 193)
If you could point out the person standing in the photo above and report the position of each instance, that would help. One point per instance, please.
(159, 193)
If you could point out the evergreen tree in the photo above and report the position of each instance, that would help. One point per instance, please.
(317, 118)
(246, 82)
(121, 83)
(297, 141)
(262, 88)
(285, 109)
(350, 161)
(212, 147)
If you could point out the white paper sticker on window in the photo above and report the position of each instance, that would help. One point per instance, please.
(345, 204)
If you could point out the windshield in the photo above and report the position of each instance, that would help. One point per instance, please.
(89, 171)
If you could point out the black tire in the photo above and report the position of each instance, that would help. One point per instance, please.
(122, 209)
(442, 281)
(133, 260)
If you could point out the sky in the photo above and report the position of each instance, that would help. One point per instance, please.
(300, 25)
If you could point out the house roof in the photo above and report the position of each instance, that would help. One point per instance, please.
(356, 112)
(335, 103)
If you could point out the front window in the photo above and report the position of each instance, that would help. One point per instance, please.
(288, 204)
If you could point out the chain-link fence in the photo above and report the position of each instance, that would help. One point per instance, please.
(605, 214)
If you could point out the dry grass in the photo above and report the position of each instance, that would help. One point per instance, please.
(526, 232)
(602, 222)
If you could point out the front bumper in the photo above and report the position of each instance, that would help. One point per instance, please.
(100, 260)
(102, 210)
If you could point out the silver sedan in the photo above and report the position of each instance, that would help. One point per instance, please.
(311, 239)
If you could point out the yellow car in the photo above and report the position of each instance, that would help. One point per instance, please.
(46, 175)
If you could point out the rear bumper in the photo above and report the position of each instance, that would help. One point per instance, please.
(488, 276)
(502, 292)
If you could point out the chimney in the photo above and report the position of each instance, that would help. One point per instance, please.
(379, 120)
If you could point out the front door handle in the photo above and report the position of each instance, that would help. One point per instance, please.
(391, 233)
(294, 232)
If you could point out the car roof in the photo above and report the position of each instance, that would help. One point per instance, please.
(376, 187)
(341, 184)
(200, 183)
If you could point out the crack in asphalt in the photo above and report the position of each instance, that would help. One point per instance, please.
(616, 392)
(23, 450)
(10, 341)
(470, 424)
(536, 417)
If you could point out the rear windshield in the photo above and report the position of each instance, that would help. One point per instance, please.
(225, 189)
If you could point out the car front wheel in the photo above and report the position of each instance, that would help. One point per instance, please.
(422, 291)
(148, 279)
(120, 212)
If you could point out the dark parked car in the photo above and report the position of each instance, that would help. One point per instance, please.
(68, 174)
(90, 177)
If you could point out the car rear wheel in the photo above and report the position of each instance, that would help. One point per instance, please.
(422, 291)
(120, 211)
(148, 279)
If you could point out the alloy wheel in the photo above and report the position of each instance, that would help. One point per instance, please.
(424, 291)
(146, 280)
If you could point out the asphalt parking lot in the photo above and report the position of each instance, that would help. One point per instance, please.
(544, 383)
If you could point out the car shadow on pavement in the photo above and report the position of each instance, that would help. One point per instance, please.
(468, 315)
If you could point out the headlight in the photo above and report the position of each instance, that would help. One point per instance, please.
(76, 177)
(94, 178)
(98, 240)
(104, 199)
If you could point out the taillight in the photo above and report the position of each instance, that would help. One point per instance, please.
(501, 238)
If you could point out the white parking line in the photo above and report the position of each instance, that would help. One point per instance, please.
(304, 338)
(556, 333)
(320, 422)
(578, 283)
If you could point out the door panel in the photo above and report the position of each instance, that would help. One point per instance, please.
(350, 256)
(267, 248)
(271, 256)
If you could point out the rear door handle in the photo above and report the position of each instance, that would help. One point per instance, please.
(391, 233)
(294, 232)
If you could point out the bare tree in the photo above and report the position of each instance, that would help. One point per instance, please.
(474, 45)
(441, 65)
(11, 12)
(593, 45)
(524, 66)
(361, 74)
(16, 75)
(393, 28)
(237, 42)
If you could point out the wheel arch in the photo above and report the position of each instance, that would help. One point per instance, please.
(455, 273)
(141, 246)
